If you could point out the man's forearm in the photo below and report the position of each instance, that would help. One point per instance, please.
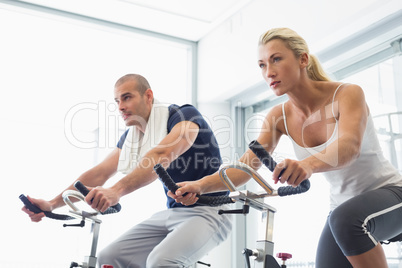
(143, 174)
(91, 178)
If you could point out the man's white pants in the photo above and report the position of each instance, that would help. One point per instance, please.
(176, 237)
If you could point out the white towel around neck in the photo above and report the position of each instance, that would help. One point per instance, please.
(137, 144)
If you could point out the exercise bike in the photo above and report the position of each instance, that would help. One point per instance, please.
(83, 216)
(263, 253)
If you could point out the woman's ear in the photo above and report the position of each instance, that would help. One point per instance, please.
(304, 59)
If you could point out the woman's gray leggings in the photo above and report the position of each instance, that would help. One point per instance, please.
(358, 225)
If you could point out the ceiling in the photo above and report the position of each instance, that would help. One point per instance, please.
(184, 19)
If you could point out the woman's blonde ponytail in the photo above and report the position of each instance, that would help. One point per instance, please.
(315, 70)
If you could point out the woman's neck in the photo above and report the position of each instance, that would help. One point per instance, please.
(311, 96)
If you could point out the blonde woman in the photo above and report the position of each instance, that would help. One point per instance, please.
(332, 132)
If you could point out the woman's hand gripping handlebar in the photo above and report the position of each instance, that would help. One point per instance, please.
(202, 199)
(270, 163)
(250, 198)
(83, 191)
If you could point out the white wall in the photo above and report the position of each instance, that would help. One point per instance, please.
(228, 55)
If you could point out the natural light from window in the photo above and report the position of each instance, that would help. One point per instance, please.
(58, 119)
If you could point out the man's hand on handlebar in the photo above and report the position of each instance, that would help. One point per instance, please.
(187, 193)
(101, 199)
(42, 204)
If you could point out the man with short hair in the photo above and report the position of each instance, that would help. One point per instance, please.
(181, 140)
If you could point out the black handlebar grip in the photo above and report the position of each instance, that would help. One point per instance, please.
(113, 209)
(29, 205)
(262, 154)
(289, 190)
(165, 178)
(81, 188)
(84, 191)
(202, 199)
(37, 210)
(214, 201)
(270, 163)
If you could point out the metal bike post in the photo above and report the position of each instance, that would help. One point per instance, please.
(263, 254)
(264, 243)
(90, 261)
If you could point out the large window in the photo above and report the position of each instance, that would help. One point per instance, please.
(381, 90)
(58, 119)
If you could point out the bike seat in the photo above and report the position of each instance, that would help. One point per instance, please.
(397, 238)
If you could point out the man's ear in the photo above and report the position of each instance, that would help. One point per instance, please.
(149, 94)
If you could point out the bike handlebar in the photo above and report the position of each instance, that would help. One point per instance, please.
(37, 210)
(202, 199)
(270, 163)
(265, 158)
(83, 190)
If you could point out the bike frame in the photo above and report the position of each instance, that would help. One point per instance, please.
(89, 261)
(264, 251)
